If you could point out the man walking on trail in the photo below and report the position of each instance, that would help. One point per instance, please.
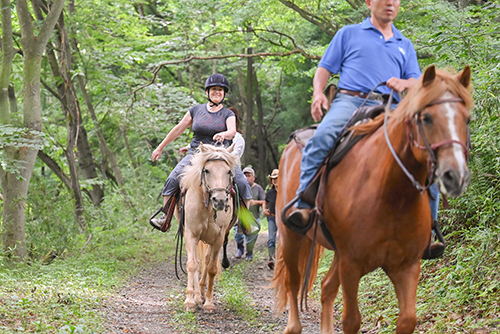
(256, 202)
(365, 55)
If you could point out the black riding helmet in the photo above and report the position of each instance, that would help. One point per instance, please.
(216, 80)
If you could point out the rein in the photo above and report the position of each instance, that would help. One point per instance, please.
(430, 148)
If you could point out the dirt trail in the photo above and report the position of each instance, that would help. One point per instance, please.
(151, 301)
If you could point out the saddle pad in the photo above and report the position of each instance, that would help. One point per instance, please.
(302, 136)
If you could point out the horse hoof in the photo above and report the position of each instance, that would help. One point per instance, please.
(189, 306)
(225, 263)
(208, 308)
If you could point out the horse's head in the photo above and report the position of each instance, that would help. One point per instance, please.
(438, 120)
(213, 170)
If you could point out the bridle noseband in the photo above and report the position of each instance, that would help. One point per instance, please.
(431, 149)
(210, 191)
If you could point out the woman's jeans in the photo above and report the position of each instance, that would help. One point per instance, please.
(173, 180)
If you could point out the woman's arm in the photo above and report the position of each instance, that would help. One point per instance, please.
(229, 133)
(185, 123)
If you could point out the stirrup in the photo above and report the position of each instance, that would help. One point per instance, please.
(165, 226)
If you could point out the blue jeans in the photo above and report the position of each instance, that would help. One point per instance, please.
(434, 202)
(272, 229)
(239, 237)
(172, 184)
(324, 138)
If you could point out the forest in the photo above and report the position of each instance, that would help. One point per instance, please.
(88, 89)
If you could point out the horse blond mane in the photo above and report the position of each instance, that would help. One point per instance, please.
(419, 97)
(191, 175)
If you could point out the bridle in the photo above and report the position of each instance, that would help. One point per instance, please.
(431, 149)
(208, 190)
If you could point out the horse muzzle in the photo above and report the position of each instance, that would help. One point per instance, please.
(219, 202)
(452, 181)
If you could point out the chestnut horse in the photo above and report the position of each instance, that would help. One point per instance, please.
(375, 214)
(208, 218)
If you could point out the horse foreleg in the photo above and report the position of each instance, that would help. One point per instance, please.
(349, 278)
(211, 269)
(329, 289)
(192, 268)
(291, 244)
(405, 284)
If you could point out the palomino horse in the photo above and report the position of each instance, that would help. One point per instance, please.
(208, 218)
(375, 214)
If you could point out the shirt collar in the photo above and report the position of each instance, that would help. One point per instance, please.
(367, 24)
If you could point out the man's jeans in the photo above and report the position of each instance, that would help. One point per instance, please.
(324, 138)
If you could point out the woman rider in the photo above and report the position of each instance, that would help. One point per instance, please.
(211, 123)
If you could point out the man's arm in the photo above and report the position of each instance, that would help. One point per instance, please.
(400, 85)
(319, 99)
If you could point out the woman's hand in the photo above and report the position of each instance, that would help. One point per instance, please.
(184, 149)
(267, 212)
(156, 154)
(219, 137)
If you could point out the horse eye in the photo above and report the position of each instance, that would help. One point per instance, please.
(206, 171)
(427, 119)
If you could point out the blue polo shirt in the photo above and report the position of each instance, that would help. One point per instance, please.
(364, 58)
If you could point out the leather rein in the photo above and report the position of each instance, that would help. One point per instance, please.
(430, 148)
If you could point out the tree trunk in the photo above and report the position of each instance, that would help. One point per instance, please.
(262, 171)
(247, 129)
(105, 150)
(15, 188)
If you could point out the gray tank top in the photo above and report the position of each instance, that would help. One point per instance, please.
(206, 124)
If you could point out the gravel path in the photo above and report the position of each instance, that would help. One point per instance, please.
(152, 303)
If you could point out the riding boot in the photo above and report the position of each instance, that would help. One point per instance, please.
(299, 217)
(241, 250)
(436, 249)
(164, 222)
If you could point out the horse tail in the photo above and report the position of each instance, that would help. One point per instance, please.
(280, 282)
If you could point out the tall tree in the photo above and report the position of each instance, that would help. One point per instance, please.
(15, 184)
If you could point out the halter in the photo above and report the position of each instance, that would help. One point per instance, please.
(430, 148)
(210, 191)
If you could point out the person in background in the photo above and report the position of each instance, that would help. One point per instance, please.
(256, 202)
(269, 209)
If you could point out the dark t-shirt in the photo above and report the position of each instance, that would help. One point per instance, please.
(271, 200)
(258, 195)
(206, 124)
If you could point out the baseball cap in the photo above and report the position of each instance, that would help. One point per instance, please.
(248, 170)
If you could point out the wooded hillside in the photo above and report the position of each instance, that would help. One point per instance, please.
(89, 88)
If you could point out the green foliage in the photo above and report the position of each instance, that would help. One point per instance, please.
(119, 45)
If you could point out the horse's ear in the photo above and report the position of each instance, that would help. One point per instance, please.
(429, 76)
(230, 148)
(464, 76)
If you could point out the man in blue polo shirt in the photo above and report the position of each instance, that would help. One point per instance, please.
(365, 55)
